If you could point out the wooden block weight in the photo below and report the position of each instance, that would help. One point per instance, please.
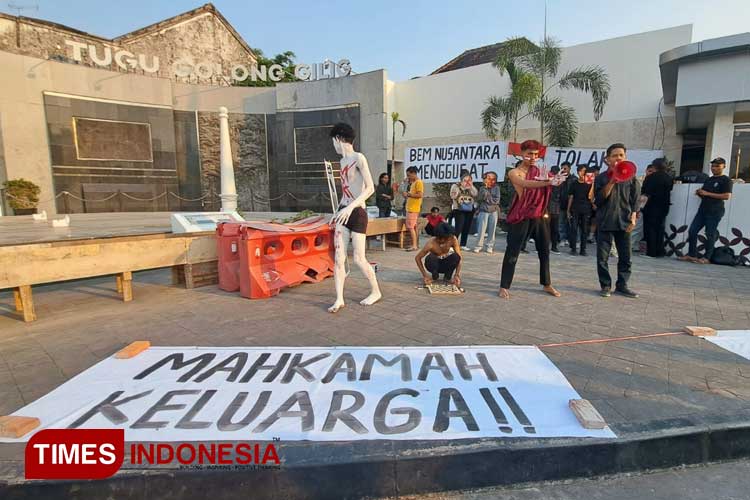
(699, 331)
(587, 414)
(17, 426)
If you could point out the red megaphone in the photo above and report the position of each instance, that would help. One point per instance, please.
(623, 171)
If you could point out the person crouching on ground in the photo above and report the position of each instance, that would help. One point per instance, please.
(438, 258)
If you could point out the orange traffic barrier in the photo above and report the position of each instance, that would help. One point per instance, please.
(271, 260)
(228, 239)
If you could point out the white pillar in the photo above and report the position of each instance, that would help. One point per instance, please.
(228, 188)
(719, 136)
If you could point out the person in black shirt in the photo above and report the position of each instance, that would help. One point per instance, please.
(715, 191)
(564, 192)
(657, 188)
(616, 212)
(384, 195)
(579, 210)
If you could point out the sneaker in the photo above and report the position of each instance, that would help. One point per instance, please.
(555, 250)
(573, 251)
(605, 292)
(627, 292)
(490, 251)
(531, 240)
(583, 252)
(477, 250)
(466, 249)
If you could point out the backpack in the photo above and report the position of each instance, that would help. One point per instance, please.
(724, 256)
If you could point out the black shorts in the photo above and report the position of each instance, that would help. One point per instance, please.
(357, 222)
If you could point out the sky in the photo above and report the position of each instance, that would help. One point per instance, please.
(408, 38)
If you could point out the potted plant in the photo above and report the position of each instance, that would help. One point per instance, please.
(23, 196)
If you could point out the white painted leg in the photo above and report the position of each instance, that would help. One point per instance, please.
(359, 242)
(341, 243)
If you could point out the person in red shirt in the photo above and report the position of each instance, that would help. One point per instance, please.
(433, 219)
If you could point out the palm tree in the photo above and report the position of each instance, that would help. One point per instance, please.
(395, 119)
(529, 67)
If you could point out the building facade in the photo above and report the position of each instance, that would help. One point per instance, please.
(131, 123)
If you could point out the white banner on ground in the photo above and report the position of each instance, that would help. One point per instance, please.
(318, 394)
(445, 163)
(736, 341)
(592, 157)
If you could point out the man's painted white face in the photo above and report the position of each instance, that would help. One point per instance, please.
(337, 145)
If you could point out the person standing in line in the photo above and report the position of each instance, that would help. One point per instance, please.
(657, 189)
(413, 205)
(488, 212)
(553, 213)
(463, 194)
(526, 217)
(715, 191)
(564, 192)
(579, 212)
(616, 211)
(384, 195)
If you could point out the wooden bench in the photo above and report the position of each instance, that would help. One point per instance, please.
(192, 257)
(394, 227)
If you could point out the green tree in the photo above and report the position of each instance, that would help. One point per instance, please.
(532, 70)
(285, 60)
(395, 119)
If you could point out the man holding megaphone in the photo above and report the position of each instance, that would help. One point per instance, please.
(616, 200)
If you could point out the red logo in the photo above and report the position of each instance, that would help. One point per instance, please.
(75, 453)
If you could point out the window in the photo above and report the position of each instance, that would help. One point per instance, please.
(739, 163)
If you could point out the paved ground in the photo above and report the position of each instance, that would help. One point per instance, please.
(630, 382)
(722, 481)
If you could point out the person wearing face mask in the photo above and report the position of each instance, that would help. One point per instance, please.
(488, 212)
(526, 217)
(463, 194)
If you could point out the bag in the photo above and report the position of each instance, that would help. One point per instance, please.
(466, 207)
(724, 256)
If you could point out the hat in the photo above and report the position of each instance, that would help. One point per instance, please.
(719, 160)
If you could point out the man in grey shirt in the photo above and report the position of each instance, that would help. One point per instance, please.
(489, 212)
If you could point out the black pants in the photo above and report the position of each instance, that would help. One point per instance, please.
(539, 230)
(603, 248)
(711, 223)
(580, 225)
(437, 266)
(653, 232)
(554, 229)
(463, 224)
(429, 229)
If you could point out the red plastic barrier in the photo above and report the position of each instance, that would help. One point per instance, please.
(228, 238)
(271, 260)
(228, 250)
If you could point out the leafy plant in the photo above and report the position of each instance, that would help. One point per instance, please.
(395, 118)
(528, 67)
(294, 218)
(22, 194)
(285, 60)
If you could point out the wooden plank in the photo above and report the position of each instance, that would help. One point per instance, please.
(586, 414)
(17, 299)
(177, 276)
(127, 286)
(132, 350)
(118, 282)
(188, 269)
(47, 263)
(27, 303)
(16, 426)
(699, 331)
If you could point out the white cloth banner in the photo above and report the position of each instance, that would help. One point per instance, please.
(445, 163)
(318, 394)
(736, 341)
(592, 157)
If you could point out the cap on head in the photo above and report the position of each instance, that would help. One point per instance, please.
(718, 161)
